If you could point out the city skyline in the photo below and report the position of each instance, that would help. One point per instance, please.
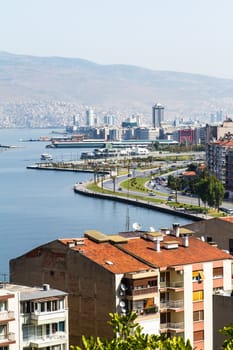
(178, 36)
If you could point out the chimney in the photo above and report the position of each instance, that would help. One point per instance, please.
(176, 230)
(157, 244)
(185, 241)
(46, 287)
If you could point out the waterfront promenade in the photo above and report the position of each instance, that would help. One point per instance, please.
(82, 188)
(123, 197)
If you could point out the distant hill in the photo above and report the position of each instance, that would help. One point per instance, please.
(25, 78)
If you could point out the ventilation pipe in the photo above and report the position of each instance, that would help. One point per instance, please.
(157, 244)
(176, 230)
(185, 240)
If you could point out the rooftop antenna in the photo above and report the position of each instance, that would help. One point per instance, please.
(127, 219)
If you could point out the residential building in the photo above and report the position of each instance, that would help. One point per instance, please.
(32, 318)
(225, 128)
(157, 115)
(222, 306)
(216, 231)
(168, 278)
(219, 160)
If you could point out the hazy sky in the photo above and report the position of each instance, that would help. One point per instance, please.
(180, 35)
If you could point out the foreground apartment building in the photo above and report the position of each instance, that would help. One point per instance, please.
(33, 318)
(168, 278)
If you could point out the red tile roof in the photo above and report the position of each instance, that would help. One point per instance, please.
(140, 254)
(198, 251)
(227, 218)
(108, 256)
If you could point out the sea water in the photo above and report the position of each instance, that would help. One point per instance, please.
(38, 206)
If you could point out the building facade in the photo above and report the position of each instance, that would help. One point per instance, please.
(219, 160)
(33, 318)
(166, 277)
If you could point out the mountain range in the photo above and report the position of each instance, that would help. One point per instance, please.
(29, 78)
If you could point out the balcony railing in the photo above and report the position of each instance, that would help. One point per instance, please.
(172, 304)
(9, 337)
(172, 326)
(47, 340)
(146, 311)
(7, 315)
(174, 284)
(140, 291)
(51, 315)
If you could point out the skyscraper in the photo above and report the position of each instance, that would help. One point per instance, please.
(90, 118)
(157, 115)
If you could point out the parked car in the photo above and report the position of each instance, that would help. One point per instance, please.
(152, 194)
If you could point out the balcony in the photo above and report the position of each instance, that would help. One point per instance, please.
(6, 316)
(177, 327)
(6, 339)
(141, 291)
(146, 311)
(47, 340)
(48, 317)
(175, 305)
(175, 285)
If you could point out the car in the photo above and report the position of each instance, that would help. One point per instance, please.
(152, 194)
(171, 199)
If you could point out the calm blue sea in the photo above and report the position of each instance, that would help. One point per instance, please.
(40, 206)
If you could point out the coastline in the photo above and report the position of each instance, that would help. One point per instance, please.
(81, 188)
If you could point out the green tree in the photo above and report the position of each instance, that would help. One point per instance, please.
(228, 332)
(128, 336)
(210, 190)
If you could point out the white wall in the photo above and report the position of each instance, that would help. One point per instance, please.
(188, 303)
(208, 305)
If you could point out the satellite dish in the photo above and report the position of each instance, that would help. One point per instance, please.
(123, 311)
(152, 229)
(122, 304)
(136, 226)
(123, 287)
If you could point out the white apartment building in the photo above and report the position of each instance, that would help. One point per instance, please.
(33, 318)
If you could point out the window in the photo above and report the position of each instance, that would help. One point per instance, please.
(218, 272)
(198, 336)
(198, 276)
(3, 305)
(198, 295)
(198, 316)
(3, 332)
(152, 283)
(61, 326)
(54, 327)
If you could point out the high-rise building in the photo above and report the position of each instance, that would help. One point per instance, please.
(90, 117)
(157, 115)
(167, 278)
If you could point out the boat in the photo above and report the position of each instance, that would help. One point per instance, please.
(46, 156)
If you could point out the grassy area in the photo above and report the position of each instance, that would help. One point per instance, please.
(138, 184)
(95, 188)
